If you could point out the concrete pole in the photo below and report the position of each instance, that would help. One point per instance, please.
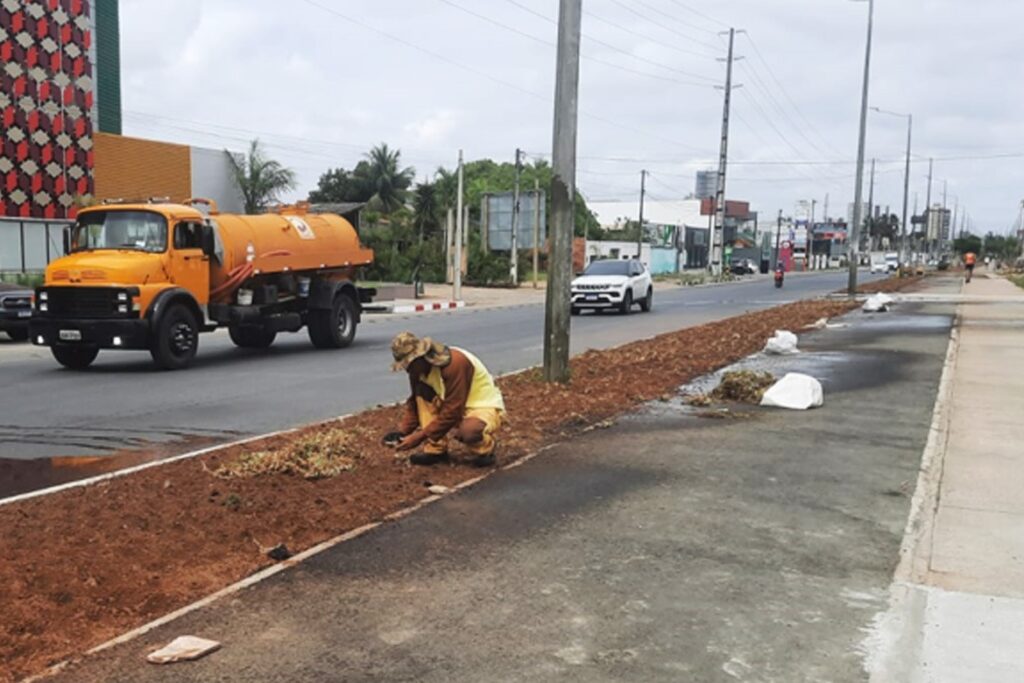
(640, 231)
(563, 188)
(809, 250)
(459, 226)
(904, 255)
(778, 238)
(871, 207)
(928, 211)
(449, 235)
(536, 230)
(853, 244)
(718, 234)
(514, 253)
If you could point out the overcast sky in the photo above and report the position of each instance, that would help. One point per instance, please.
(320, 81)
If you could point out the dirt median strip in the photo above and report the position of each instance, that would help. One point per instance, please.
(84, 565)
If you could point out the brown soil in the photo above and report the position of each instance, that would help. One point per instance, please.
(81, 566)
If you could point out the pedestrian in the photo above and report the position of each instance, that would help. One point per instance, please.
(969, 260)
(451, 391)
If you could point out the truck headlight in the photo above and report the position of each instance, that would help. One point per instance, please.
(122, 296)
(43, 306)
(122, 308)
(44, 296)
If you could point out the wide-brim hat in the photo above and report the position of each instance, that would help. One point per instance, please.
(407, 347)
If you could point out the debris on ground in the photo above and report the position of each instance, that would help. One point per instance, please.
(722, 414)
(438, 489)
(742, 386)
(279, 553)
(819, 324)
(878, 303)
(183, 649)
(136, 516)
(312, 456)
(782, 343)
(698, 400)
(795, 391)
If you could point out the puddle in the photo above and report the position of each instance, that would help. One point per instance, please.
(19, 476)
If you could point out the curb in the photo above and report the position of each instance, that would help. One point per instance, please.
(424, 308)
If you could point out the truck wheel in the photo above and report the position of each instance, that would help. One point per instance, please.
(75, 357)
(334, 328)
(251, 337)
(175, 339)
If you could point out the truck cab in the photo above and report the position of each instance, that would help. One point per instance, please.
(125, 266)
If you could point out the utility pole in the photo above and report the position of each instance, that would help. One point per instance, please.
(449, 235)
(536, 230)
(514, 255)
(928, 211)
(718, 234)
(640, 232)
(459, 227)
(944, 216)
(563, 187)
(809, 251)
(852, 247)
(871, 208)
(904, 254)
(825, 217)
(778, 238)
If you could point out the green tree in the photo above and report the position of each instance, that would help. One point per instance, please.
(384, 176)
(967, 242)
(426, 210)
(340, 185)
(260, 180)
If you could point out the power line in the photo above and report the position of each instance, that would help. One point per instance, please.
(674, 18)
(785, 92)
(591, 39)
(699, 13)
(485, 74)
(645, 36)
(662, 26)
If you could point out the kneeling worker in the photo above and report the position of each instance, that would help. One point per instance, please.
(451, 389)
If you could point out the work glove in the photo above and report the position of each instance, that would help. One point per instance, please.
(392, 438)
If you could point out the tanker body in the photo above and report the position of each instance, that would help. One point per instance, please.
(153, 276)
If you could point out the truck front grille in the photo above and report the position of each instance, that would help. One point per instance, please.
(82, 302)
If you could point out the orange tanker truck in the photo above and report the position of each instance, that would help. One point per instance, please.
(154, 275)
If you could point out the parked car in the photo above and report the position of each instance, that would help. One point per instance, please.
(743, 266)
(879, 264)
(15, 311)
(613, 284)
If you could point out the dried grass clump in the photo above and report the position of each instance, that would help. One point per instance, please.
(313, 456)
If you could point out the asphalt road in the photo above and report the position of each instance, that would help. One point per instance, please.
(669, 547)
(122, 407)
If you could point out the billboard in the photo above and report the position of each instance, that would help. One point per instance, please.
(498, 210)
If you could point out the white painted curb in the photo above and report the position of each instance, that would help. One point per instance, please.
(428, 307)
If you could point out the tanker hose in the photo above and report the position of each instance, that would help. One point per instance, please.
(241, 273)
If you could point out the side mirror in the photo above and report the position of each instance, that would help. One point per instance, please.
(67, 241)
(209, 243)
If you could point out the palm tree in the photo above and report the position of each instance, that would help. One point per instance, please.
(426, 210)
(259, 179)
(384, 176)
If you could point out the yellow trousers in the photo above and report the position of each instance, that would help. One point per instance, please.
(478, 441)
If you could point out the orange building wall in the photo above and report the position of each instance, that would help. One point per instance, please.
(130, 168)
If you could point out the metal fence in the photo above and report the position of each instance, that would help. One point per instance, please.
(28, 244)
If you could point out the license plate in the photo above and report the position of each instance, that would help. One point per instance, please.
(24, 314)
(71, 335)
(592, 297)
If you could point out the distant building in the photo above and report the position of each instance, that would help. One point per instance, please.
(939, 223)
(706, 185)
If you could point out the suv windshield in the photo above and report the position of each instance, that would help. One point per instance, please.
(608, 267)
(141, 230)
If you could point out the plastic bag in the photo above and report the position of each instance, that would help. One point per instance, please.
(183, 649)
(782, 344)
(795, 391)
(878, 303)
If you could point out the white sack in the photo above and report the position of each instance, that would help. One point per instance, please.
(782, 344)
(795, 391)
(183, 648)
(878, 303)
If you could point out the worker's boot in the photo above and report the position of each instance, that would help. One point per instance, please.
(427, 459)
(483, 460)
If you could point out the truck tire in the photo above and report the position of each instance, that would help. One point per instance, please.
(75, 357)
(251, 337)
(334, 328)
(175, 338)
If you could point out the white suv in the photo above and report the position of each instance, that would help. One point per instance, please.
(613, 284)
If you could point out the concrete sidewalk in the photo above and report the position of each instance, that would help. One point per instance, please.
(669, 547)
(958, 601)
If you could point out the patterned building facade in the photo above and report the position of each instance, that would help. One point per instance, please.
(49, 102)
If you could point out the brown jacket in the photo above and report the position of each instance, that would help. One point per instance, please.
(458, 378)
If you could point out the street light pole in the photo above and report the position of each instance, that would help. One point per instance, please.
(852, 246)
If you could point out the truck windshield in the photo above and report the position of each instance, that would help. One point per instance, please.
(140, 230)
